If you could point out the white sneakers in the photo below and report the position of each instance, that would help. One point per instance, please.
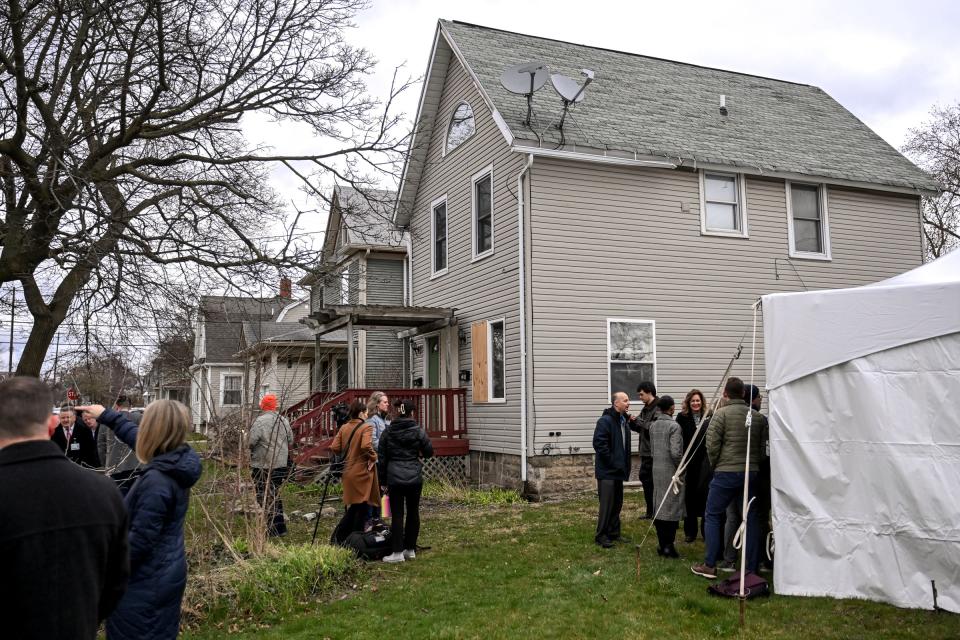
(400, 556)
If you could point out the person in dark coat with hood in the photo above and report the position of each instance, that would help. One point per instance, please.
(402, 445)
(611, 442)
(63, 529)
(157, 505)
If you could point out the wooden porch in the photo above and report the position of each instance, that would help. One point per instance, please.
(442, 412)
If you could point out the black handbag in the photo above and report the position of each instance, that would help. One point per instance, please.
(338, 461)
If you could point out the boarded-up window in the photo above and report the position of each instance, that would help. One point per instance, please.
(631, 351)
(478, 340)
(489, 369)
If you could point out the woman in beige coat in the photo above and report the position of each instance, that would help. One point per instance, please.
(360, 485)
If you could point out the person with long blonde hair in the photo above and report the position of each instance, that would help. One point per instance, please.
(157, 505)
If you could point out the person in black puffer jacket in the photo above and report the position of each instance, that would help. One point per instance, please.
(402, 445)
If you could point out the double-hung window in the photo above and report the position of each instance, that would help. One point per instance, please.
(232, 393)
(438, 236)
(722, 210)
(631, 354)
(489, 368)
(482, 223)
(808, 232)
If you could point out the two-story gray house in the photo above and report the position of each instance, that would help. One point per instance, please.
(363, 264)
(629, 244)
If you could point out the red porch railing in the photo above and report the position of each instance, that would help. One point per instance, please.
(441, 412)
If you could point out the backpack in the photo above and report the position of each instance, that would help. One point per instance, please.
(372, 545)
(753, 586)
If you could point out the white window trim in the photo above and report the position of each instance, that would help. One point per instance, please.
(486, 171)
(444, 153)
(742, 204)
(433, 237)
(490, 398)
(825, 255)
(223, 377)
(653, 324)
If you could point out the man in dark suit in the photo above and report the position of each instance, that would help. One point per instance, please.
(611, 442)
(76, 440)
(63, 529)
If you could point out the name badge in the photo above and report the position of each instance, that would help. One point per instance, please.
(74, 446)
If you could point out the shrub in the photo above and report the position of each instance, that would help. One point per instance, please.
(276, 581)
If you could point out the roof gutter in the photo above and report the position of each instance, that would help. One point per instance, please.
(593, 157)
(523, 321)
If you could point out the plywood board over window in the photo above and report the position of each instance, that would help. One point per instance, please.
(478, 340)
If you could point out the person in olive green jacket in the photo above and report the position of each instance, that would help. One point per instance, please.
(727, 449)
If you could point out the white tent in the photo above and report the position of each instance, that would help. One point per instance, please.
(864, 392)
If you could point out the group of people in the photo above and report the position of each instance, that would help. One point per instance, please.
(80, 547)
(706, 493)
(382, 456)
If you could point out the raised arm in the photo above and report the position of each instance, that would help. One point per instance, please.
(120, 424)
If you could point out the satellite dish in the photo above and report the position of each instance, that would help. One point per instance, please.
(568, 88)
(570, 91)
(525, 79)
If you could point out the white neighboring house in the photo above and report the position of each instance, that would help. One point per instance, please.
(217, 373)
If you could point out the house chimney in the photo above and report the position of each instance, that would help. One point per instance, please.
(286, 288)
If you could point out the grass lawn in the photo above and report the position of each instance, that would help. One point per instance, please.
(532, 571)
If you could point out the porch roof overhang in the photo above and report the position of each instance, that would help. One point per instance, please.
(411, 321)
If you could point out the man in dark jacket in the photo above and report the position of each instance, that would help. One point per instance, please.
(648, 415)
(76, 439)
(63, 529)
(611, 442)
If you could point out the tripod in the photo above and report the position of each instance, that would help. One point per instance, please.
(326, 486)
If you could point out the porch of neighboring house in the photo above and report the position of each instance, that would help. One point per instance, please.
(441, 411)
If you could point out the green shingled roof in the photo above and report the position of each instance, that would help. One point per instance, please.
(656, 107)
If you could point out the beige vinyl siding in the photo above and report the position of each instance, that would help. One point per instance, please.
(485, 289)
(384, 352)
(610, 242)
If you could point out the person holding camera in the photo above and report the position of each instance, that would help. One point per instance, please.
(361, 489)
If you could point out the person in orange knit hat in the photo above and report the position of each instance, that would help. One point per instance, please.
(270, 440)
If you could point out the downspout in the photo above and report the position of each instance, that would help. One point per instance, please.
(523, 321)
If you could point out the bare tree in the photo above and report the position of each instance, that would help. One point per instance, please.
(121, 149)
(935, 146)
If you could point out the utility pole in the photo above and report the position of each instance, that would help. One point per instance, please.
(56, 355)
(13, 309)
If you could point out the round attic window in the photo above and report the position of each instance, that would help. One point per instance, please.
(462, 126)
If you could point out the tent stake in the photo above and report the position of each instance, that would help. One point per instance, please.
(743, 603)
(638, 566)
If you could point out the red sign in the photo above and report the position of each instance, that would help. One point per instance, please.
(72, 395)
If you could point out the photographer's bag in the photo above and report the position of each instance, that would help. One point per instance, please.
(373, 545)
(753, 586)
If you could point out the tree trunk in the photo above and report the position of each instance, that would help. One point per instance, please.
(35, 352)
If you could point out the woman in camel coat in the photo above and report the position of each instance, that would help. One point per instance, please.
(360, 484)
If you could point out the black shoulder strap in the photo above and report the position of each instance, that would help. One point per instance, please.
(346, 449)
